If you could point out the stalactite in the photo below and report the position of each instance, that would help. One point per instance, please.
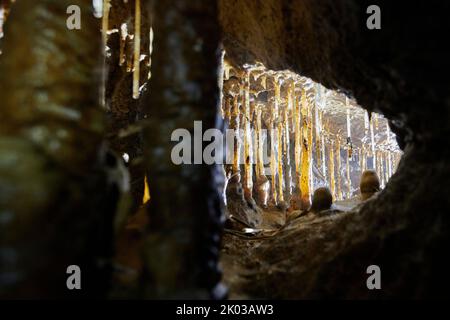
(362, 159)
(146, 196)
(262, 183)
(280, 162)
(347, 171)
(378, 168)
(376, 121)
(274, 141)
(349, 130)
(248, 172)
(390, 164)
(273, 164)
(105, 28)
(150, 52)
(310, 149)
(372, 143)
(339, 194)
(318, 127)
(2, 19)
(322, 145)
(297, 119)
(349, 149)
(332, 180)
(305, 154)
(386, 166)
(137, 49)
(287, 149)
(123, 41)
(389, 154)
(105, 21)
(365, 139)
(235, 124)
(260, 162)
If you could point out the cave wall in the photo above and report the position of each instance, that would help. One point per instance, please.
(399, 71)
(57, 194)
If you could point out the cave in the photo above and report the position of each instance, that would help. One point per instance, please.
(284, 98)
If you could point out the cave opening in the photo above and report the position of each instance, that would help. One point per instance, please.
(292, 136)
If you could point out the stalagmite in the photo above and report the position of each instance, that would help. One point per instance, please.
(137, 49)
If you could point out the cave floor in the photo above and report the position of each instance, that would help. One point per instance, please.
(252, 264)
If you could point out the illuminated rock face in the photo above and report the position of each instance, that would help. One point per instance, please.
(302, 125)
